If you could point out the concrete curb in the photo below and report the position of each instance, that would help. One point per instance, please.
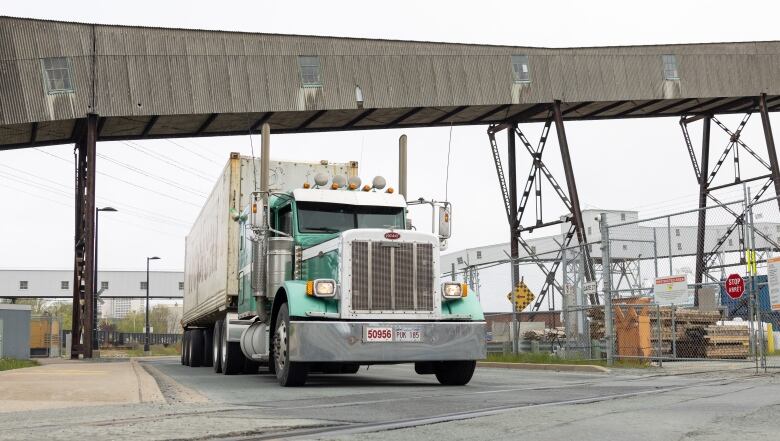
(148, 389)
(546, 367)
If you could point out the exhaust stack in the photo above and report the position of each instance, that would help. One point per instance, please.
(260, 247)
(402, 166)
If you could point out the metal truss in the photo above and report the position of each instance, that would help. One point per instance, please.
(707, 260)
(533, 184)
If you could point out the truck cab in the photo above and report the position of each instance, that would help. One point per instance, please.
(357, 287)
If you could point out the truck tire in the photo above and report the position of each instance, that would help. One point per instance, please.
(350, 368)
(208, 347)
(250, 367)
(185, 348)
(232, 358)
(216, 347)
(289, 373)
(454, 373)
(196, 347)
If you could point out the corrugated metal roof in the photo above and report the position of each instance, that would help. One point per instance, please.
(156, 82)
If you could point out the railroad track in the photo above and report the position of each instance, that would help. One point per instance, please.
(357, 428)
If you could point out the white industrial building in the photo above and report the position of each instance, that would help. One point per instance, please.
(120, 291)
(642, 248)
(643, 240)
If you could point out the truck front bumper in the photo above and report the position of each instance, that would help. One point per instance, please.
(323, 341)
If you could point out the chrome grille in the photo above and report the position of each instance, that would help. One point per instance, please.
(392, 276)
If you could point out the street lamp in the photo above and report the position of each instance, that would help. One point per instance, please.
(95, 292)
(146, 341)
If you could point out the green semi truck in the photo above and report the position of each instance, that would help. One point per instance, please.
(298, 268)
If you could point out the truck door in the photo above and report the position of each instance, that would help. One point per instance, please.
(284, 219)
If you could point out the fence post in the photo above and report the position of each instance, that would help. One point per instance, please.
(669, 240)
(674, 331)
(659, 337)
(606, 269)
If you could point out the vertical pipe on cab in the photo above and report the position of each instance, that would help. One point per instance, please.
(259, 245)
(402, 166)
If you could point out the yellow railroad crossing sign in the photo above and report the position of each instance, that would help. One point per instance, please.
(522, 296)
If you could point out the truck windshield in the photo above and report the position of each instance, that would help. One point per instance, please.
(316, 217)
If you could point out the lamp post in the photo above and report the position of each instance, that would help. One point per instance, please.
(95, 292)
(146, 341)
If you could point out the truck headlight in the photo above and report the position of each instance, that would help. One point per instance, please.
(325, 288)
(452, 290)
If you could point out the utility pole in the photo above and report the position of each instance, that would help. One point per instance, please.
(146, 340)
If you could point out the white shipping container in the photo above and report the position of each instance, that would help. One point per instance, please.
(211, 247)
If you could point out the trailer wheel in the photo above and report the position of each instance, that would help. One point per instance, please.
(208, 347)
(232, 358)
(289, 373)
(454, 373)
(216, 347)
(196, 347)
(186, 347)
(350, 368)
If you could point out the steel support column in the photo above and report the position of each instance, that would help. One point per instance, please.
(703, 184)
(770, 144)
(572, 187)
(514, 234)
(83, 268)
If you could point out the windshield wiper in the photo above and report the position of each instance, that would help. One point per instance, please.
(323, 229)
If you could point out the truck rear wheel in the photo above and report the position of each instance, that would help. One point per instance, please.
(187, 347)
(184, 360)
(454, 373)
(196, 347)
(208, 336)
(216, 345)
(289, 373)
(232, 358)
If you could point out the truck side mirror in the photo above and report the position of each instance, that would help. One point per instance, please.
(445, 221)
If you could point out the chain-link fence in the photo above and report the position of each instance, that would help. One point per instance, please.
(651, 290)
(688, 308)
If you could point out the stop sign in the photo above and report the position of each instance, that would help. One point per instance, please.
(735, 286)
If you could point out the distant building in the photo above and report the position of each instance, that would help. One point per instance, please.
(120, 291)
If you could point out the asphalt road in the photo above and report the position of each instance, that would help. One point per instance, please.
(504, 404)
(394, 403)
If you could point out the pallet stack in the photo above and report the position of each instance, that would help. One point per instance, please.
(687, 330)
(727, 341)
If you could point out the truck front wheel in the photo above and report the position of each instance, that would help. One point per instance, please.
(216, 352)
(289, 373)
(454, 373)
(232, 359)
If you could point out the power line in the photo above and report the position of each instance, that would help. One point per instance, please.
(150, 175)
(125, 181)
(138, 212)
(71, 207)
(170, 161)
(194, 152)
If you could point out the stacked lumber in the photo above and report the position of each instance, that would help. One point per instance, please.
(596, 316)
(727, 341)
(683, 326)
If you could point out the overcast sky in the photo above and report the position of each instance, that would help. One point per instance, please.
(636, 164)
